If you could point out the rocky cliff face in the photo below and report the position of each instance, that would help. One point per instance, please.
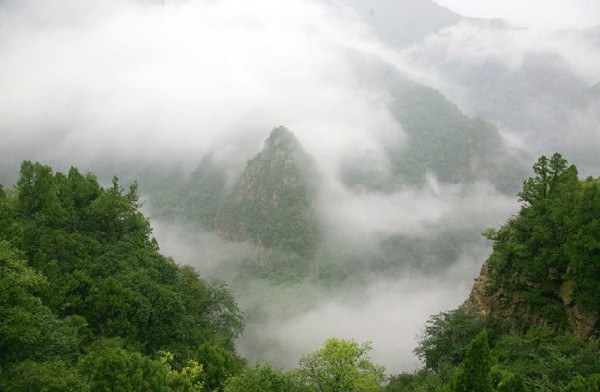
(513, 305)
(271, 205)
(544, 269)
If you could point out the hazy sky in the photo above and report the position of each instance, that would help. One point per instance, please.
(532, 13)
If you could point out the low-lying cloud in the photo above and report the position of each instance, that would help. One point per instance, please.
(389, 313)
(174, 80)
(289, 320)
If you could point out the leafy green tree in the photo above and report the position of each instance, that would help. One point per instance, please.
(421, 381)
(110, 367)
(114, 215)
(261, 378)
(446, 336)
(547, 255)
(546, 359)
(340, 365)
(115, 310)
(219, 364)
(28, 328)
(547, 173)
(474, 373)
(50, 376)
(10, 229)
(513, 383)
(77, 265)
(188, 379)
(37, 192)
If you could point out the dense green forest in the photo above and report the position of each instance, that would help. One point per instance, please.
(531, 322)
(439, 139)
(87, 302)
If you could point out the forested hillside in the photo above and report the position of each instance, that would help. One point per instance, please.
(531, 322)
(272, 204)
(545, 268)
(440, 139)
(87, 302)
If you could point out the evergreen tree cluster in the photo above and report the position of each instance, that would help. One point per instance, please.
(549, 254)
(537, 328)
(87, 302)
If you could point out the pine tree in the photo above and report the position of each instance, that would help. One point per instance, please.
(474, 373)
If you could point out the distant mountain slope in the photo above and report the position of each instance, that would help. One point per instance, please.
(441, 140)
(195, 198)
(535, 87)
(271, 205)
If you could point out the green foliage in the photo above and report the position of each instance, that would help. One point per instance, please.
(583, 250)
(28, 328)
(340, 365)
(272, 204)
(219, 364)
(512, 383)
(38, 197)
(544, 270)
(188, 379)
(547, 360)
(549, 254)
(440, 139)
(261, 378)
(78, 265)
(446, 336)
(474, 373)
(581, 384)
(109, 367)
(195, 199)
(547, 175)
(420, 381)
(49, 376)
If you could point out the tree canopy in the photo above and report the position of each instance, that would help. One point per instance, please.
(78, 266)
(340, 365)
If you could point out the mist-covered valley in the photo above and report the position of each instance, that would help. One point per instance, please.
(333, 162)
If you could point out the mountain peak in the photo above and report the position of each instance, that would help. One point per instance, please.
(271, 205)
(281, 136)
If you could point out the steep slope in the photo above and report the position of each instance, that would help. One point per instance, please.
(271, 205)
(192, 199)
(537, 295)
(508, 75)
(87, 300)
(440, 139)
(545, 267)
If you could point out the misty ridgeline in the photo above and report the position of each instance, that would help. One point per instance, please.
(270, 197)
